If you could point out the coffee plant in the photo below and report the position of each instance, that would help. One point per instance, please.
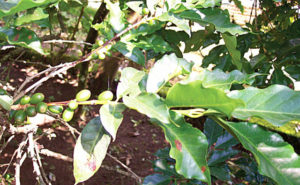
(244, 105)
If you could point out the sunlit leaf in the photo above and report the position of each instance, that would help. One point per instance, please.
(6, 101)
(90, 150)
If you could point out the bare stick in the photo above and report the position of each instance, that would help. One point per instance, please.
(55, 155)
(139, 179)
(67, 41)
(40, 163)
(6, 143)
(36, 168)
(20, 159)
(2, 130)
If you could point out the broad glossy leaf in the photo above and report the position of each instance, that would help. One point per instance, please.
(155, 43)
(212, 131)
(182, 24)
(276, 104)
(13, 6)
(157, 179)
(188, 147)
(215, 16)
(219, 156)
(37, 14)
(130, 51)
(231, 44)
(291, 128)
(21, 37)
(6, 101)
(129, 82)
(221, 80)
(226, 141)
(111, 117)
(222, 172)
(276, 158)
(193, 94)
(164, 69)
(90, 150)
(150, 105)
(116, 16)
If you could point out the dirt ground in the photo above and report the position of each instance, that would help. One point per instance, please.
(136, 142)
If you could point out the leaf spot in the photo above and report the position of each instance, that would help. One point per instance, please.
(30, 37)
(91, 165)
(16, 37)
(203, 168)
(178, 145)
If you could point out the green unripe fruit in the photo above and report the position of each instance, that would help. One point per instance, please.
(105, 96)
(56, 109)
(20, 116)
(25, 100)
(68, 115)
(101, 56)
(83, 95)
(73, 105)
(100, 42)
(31, 111)
(41, 107)
(145, 11)
(36, 98)
(11, 115)
(95, 56)
(3, 92)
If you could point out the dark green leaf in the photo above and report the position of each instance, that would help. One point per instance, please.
(226, 141)
(13, 6)
(231, 44)
(90, 150)
(276, 158)
(222, 172)
(157, 179)
(276, 104)
(219, 156)
(188, 148)
(181, 24)
(154, 42)
(130, 51)
(21, 37)
(212, 131)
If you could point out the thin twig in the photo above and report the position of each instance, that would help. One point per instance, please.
(6, 143)
(20, 159)
(36, 168)
(77, 23)
(139, 179)
(55, 155)
(2, 130)
(40, 163)
(67, 41)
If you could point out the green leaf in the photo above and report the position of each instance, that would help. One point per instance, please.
(276, 104)
(115, 16)
(129, 82)
(221, 80)
(222, 172)
(193, 94)
(154, 42)
(188, 147)
(238, 3)
(13, 6)
(111, 117)
(276, 158)
(90, 150)
(231, 44)
(37, 14)
(6, 101)
(225, 141)
(150, 105)
(136, 6)
(215, 16)
(21, 37)
(182, 24)
(165, 69)
(130, 51)
(212, 131)
(157, 179)
(219, 156)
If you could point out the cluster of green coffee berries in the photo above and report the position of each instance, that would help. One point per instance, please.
(35, 104)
